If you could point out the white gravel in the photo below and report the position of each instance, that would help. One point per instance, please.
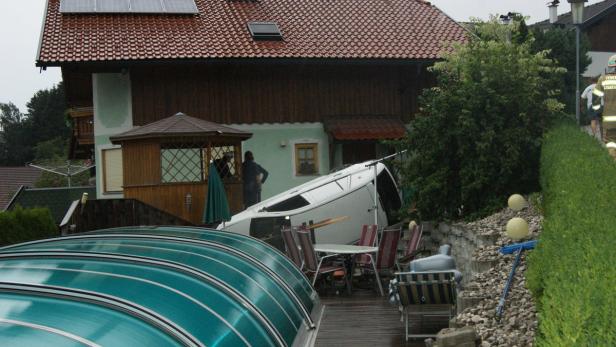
(519, 322)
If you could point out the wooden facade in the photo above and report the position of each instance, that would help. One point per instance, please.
(257, 93)
(141, 162)
(601, 34)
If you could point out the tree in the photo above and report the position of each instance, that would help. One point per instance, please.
(47, 115)
(560, 42)
(45, 120)
(13, 136)
(478, 135)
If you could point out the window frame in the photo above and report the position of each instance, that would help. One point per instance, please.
(315, 149)
(104, 160)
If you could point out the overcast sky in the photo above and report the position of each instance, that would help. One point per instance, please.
(20, 25)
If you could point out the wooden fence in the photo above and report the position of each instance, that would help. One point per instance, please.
(111, 213)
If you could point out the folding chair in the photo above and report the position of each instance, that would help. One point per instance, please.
(412, 247)
(313, 263)
(388, 250)
(416, 290)
(367, 238)
(290, 245)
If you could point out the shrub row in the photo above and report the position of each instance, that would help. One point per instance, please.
(572, 273)
(20, 225)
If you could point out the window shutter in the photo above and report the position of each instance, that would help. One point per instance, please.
(112, 161)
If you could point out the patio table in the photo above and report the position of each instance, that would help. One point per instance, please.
(333, 248)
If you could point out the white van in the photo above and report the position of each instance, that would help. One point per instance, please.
(348, 192)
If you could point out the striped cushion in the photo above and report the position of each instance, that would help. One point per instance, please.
(437, 288)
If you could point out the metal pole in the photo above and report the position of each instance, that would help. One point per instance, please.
(376, 201)
(577, 74)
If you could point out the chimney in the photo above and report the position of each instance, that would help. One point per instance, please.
(553, 6)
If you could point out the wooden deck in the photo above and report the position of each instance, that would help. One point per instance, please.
(366, 319)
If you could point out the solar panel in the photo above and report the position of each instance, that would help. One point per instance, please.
(129, 6)
(264, 31)
(112, 6)
(77, 6)
(146, 6)
(180, 6)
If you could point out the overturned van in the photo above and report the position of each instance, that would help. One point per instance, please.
(348, 192)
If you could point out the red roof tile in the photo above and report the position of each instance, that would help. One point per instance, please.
(365, 127)
(11, 178)
(344, 29)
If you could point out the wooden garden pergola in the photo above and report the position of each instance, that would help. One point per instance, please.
(166, 163)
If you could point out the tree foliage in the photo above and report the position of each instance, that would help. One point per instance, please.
(477, 137)
(560, 44)
(45, 120)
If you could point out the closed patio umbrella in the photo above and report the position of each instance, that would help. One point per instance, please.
(216, 205)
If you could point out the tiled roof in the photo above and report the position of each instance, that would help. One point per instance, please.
(591, 13)
(11, 178)
(57, 200)
(180, 125)
(365, 127)
(342, 29)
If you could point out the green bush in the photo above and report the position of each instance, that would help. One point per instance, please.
(572, 272)
(21, 225)
(478, 136)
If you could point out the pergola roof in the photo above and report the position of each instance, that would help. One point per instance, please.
(180, 125)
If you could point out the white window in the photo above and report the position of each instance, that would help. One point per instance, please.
(306, 159)
(112, 170)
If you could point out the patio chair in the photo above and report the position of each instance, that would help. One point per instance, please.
(313, 263)
(291, 249)
(416, 290)
(412, 247)
(367, 238)
(388, 250)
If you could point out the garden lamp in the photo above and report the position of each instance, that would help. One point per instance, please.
(577, 11)
(517, 228)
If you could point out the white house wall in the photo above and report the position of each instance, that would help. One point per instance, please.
(112, 115)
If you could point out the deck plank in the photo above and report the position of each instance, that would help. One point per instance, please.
(367, 319)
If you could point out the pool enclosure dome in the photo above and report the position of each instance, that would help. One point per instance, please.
(154, 286)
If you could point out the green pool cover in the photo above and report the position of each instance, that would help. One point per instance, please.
(153, 286)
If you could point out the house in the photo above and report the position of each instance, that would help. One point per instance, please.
(12, 178)
(318, 84)
(599, 25)
(57, 199)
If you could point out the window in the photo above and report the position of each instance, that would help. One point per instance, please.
(264, 31)
(306, 159)
(181, 164)
(188, 162)
(112, 170)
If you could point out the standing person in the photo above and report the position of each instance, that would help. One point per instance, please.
(222, 165)
(606, 89)
(254, 176)
(594, 115)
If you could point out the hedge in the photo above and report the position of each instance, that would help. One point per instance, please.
(20, 225)
(572, 272)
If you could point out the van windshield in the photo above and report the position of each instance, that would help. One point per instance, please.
(287, 205)
(389, 197)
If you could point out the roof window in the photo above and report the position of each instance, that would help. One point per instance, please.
(264, 31)
(129, 6)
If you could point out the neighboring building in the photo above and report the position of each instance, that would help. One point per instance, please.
(318, 84)
(12, 178)
(599, 25)
(57, 200)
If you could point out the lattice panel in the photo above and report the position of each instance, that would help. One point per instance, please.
(182, 163)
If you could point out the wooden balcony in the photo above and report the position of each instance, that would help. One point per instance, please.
(82, 139)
